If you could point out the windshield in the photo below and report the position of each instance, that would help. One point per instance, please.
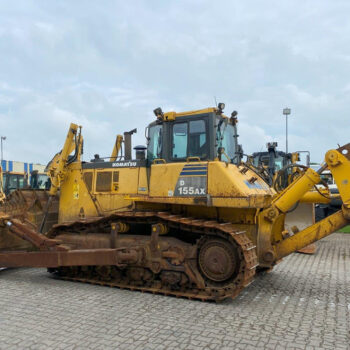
(263, 160)
(328, 178)
(12, 181)
(225, 137)
(43, 182)
(154, 148)
(279, 163)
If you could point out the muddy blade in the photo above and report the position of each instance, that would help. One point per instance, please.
(28, 205)
(309, 249)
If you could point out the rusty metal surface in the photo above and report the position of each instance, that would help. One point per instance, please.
(26, 208)
(95, 251)
(59, 258)
(28, 205)
(309, 249)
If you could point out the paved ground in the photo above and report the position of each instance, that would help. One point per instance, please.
(304, 304)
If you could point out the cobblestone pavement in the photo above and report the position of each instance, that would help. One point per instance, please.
(303, 304)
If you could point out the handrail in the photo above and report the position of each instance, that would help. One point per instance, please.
(193, 159)
(158, 161)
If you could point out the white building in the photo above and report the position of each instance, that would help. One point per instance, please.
(21, 167)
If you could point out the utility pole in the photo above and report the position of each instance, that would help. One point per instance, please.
(286, 112)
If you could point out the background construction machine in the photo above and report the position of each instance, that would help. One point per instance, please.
(181, 219)
(19, 175)
(280, 169)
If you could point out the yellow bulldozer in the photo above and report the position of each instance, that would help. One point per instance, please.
(185, 217)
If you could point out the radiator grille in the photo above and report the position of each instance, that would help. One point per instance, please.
(88, 180)
(115, 176)
(104, 181)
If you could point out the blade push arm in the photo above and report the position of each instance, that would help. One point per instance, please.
(274, 240)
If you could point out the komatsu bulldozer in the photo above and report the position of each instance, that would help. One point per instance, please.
(185, 217)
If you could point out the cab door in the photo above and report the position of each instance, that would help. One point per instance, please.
(184, 147)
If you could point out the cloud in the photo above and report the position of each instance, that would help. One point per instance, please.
(107, 65)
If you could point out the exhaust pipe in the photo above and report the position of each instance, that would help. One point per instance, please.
(128, 144)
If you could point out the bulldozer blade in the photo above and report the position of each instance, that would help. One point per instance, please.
(25, 207)
(309, 249)
(299, 219)
(28, 205)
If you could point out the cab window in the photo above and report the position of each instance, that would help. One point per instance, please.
(180, 134)
(20, 181)
(225, 137)
(279, 163)
(154, 149)
(12, 182)
(189, 140)
(328, 178)
(197, 139)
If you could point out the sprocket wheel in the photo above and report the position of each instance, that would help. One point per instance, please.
(217, 260)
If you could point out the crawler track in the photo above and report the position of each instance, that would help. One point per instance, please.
(218, 264)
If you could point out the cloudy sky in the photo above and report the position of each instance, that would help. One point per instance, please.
(107, 64)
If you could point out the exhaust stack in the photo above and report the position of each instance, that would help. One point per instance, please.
(128, 143)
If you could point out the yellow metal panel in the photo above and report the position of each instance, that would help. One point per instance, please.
(171, 116)
(143, 182)
(128, 180)
(163, 179)
(75, 200)
(77, 203)
(116, 198)
(110, 203)
(226, 180)
(253, 201)
(198, 111)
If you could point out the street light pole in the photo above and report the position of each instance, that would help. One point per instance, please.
(3, 138)
(286, 112)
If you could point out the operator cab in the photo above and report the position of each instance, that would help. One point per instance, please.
(17, 181)
(193, 136)
(13, 181)
(280, 160)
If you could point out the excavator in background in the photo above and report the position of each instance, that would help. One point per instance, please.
(183, 218)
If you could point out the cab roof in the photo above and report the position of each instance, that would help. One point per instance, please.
(170, 116)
